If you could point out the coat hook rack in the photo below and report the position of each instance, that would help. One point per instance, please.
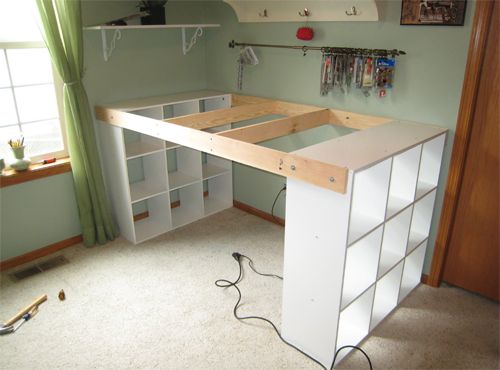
(325, 49)
(305, 13)
(353, 11)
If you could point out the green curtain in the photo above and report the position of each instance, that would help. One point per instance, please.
(62, 24)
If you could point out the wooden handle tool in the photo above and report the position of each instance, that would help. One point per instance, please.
(26, 309)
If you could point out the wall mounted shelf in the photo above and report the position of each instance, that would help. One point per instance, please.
(107, 50)
(310, 10)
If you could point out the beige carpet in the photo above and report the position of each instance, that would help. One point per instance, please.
(155, 306)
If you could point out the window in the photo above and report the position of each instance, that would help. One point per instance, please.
(28, 101)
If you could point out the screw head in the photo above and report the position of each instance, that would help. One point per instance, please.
(292, 167)
(332, 179)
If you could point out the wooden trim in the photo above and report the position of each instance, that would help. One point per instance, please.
(355, 120)
(42, 252)
(326, 175)
(475, 59)
(237, 100)
(424, 279)
(141, 216)
(257, 212)
(278, 127)
(35, 172)
(219, 117)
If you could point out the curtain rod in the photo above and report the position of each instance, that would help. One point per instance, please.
(325, 49)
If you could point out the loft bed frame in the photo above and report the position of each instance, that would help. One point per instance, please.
(358, 207)
(240, 144)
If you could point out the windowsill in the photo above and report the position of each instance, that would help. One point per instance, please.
(34, 172)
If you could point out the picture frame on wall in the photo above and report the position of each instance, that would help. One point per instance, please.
(433, 12)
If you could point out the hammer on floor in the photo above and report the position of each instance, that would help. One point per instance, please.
(25, 314)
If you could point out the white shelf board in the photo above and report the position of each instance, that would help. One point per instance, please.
(362, 225)
(395, 204)
(388, 259)
(179, 179)
(144, 189)
(183, 215)
(349, 334)
(353, 289)
(414, 241)
(423, 188)
(209, 170)
(169, 145)
(386, 295)
(212, 205)
(148, 228)
(150, 26)
(378, 143)
(141, 148)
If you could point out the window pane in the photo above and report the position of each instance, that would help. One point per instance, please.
(4, 73)
(7, 108)
(36, 102)
(43, 137)
(29, 66)
(6, 134)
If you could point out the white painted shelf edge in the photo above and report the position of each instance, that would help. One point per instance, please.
(179, 180)
(153, 26)
(140, 149)
(143, 189)
(210, 171)
(186, 46)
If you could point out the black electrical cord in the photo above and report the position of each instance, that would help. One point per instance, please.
(274, 204)
(223, 283)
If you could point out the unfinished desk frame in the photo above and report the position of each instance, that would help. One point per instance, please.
(358, 209)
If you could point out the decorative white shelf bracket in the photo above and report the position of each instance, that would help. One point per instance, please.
(186, 47)
(107, 51)
(107, 48)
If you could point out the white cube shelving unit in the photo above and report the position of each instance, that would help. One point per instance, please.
(351, 258)
(155, 185)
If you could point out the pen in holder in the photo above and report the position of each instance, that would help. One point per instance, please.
(17, 147)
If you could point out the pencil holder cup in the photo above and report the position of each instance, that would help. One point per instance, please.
(20, 164)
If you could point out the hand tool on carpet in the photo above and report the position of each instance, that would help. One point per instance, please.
(25, 314)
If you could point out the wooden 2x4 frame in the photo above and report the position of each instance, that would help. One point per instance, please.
(239, 144)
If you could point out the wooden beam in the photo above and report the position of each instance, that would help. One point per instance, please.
(237, 100)
(292, 109)
(279, 127)
(355, 120)
(322, 174)
(224, 116)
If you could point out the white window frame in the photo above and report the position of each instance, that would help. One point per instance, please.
(58, 86)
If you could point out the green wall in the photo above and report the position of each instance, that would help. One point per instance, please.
(37, 213)
(427, 89)
(42, 212)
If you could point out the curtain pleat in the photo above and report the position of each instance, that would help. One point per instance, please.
(63, 33)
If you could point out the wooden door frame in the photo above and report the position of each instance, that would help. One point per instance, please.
(475, 59)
